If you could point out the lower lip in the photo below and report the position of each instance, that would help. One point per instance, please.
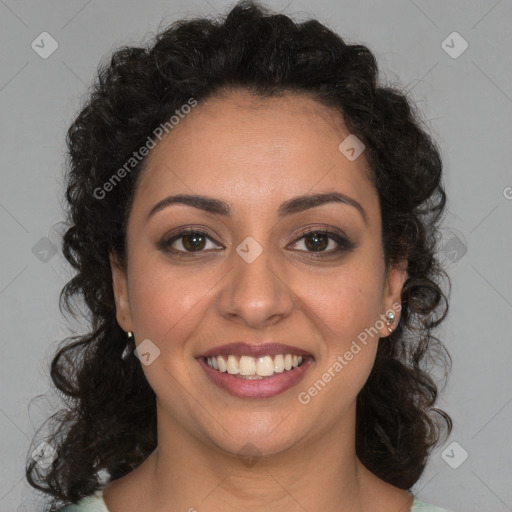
(257, 388)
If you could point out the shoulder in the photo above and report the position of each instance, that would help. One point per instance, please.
(422, 506)
(92, 503)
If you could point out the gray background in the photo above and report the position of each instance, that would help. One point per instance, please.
(467, 102)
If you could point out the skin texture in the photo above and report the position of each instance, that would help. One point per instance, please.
(254, 154)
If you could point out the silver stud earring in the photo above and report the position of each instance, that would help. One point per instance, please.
(390, 319)
(127, 350)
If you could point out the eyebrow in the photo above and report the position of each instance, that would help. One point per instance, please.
(294, 205)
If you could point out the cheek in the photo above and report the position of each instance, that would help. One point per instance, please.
(345, 307)
(165, 300)
(346, 301)
(167, 308)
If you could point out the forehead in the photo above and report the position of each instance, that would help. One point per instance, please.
(241, 147)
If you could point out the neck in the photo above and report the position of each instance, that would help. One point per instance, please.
(188, 472)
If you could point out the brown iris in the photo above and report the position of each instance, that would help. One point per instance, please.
(194, 242)
(316, 241)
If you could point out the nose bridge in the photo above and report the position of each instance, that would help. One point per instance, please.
(254, 291)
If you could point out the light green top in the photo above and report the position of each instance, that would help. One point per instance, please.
(95, 503)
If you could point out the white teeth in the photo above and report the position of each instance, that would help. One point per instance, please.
(279, 363)
(265, 366)
(232, 365)
(221, 363)
(247, 366)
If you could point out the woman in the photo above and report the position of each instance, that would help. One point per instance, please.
(253, 224)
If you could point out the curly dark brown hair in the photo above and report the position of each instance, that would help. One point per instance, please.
(108, 423)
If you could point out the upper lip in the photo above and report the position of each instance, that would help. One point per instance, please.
(254, 350)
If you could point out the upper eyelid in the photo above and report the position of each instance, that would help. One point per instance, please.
(328, 230)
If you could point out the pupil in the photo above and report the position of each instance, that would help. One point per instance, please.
(317, 238)
(193, 242)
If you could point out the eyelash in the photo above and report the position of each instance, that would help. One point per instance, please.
(344, 245)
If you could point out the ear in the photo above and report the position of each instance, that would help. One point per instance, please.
(120, 287)
(392, 297)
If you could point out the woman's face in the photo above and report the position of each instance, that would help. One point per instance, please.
(252, 276)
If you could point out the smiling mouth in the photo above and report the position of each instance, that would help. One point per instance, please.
(252, 368)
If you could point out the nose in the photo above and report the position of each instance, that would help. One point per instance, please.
(255, 293)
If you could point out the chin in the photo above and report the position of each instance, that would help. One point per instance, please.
(262, 435)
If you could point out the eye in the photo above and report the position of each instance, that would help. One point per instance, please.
(322, 242)
(317, 242)
(188, 241)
